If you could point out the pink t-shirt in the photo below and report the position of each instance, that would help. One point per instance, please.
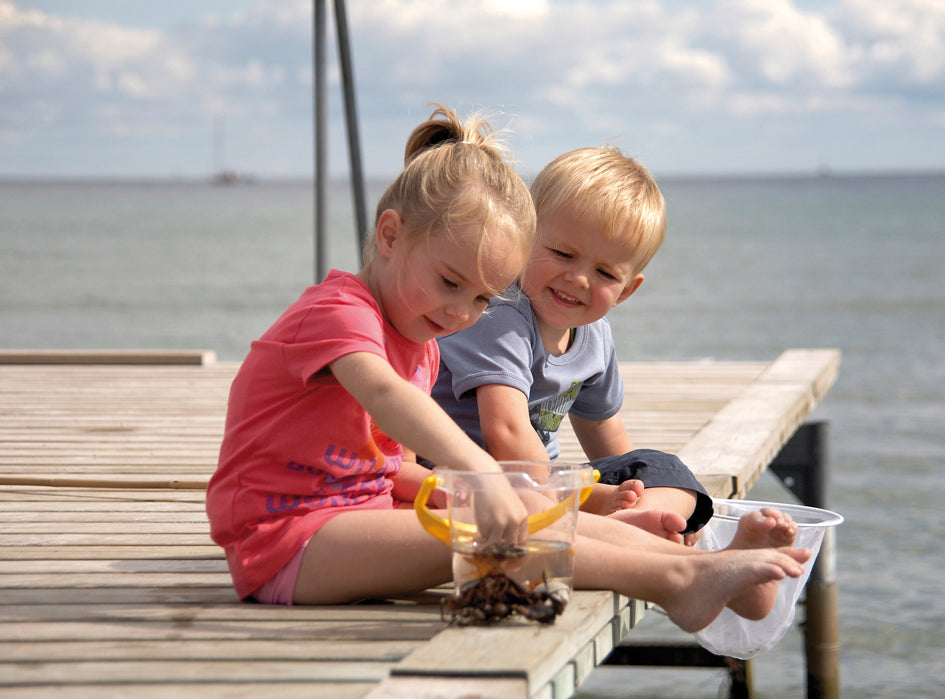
(298, 449)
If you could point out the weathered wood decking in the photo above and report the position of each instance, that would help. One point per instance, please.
(110, 585)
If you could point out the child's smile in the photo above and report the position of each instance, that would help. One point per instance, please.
(565, 299)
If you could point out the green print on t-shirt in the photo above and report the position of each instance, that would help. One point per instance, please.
(546, 417)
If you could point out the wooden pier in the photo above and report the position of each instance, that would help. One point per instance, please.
(111, 586)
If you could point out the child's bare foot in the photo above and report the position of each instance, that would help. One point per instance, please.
(745, 580)
(767, 527)
(628, 494)
(605, 499)
(756, 602)
(666, 525)
(764, 528)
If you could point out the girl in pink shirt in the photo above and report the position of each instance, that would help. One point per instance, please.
(333, 402)
(325, 399)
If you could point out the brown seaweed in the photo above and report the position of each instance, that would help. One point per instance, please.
(495, 596)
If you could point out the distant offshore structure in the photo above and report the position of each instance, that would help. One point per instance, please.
(221, 174)
(228, 177)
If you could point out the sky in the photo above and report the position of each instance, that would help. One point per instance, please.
(180, 88)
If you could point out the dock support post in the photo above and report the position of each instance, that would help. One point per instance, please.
(320, 132)
(802, 465)
(320, 139)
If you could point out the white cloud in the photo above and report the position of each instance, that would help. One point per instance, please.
(562, 73)
(901, 38)
(784, 43)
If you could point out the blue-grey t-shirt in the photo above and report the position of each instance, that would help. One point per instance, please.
(504, 347)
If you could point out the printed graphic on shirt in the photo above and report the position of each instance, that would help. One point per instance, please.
(351, 481)
(546, 417)
(346, 476)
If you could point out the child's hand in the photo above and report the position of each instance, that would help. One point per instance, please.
(501, 517)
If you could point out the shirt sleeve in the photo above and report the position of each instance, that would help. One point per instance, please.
(319, 334)
(497, 349)
(601, 396)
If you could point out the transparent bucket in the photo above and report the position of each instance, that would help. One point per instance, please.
(551, 492)
(737, 637)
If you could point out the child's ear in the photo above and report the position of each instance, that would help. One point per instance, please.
(389, 228)
(629, 289)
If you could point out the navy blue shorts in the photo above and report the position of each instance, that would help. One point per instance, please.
(657, 469)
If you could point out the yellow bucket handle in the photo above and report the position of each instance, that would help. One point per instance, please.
(439, 526)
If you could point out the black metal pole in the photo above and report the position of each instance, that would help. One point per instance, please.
(320, 141)
(351, 114)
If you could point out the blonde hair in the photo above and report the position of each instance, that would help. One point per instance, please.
(458, 173)
(610, 189)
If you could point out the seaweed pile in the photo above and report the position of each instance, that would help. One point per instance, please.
(495, 596)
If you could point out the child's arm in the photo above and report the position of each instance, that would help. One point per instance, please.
(410, 416)
(408, 480)
(506, 428)
(407, 414)
(600, 438)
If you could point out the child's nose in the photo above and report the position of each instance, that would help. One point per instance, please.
(577, 276)
(458, 312)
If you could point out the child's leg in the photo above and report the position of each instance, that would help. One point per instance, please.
(670, 487)
(692, 588)
(370, 553)
(768, 528)
(663, 523)
(378, 553)
(669, 499)
(754, 602)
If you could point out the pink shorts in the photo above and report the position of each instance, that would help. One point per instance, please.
(280, 589)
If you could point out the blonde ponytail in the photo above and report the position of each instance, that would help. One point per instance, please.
(456, 173)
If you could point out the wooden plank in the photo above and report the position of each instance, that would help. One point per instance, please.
(110, 553)
(227, 672)
(223, 594)
(131, 566)
(177, 512)
(145, 630)
(666, 403)
(169, 687)
(131, 480)
(193, 650)
(517, 649)
(72, 496)
(444, 687)
(84, 610)
(37, 356)
(744, 436)
(100, 539)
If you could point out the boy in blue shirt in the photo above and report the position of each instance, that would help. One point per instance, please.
(545, 350)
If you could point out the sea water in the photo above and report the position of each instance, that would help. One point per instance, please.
(750, 267)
